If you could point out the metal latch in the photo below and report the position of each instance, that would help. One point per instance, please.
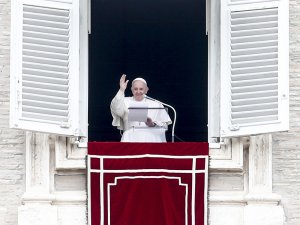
(234, 127)
(64, 124)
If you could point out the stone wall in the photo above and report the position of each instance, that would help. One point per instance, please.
(286, 145)
(286, 156)
(12, 142)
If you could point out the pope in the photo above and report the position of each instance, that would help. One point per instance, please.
(156, 124)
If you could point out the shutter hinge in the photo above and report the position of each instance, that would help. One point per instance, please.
(234, 127)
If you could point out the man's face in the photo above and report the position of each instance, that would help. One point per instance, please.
(139, 89)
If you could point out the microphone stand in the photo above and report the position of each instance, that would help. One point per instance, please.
(173, 127)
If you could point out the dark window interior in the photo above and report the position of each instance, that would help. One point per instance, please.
(162, 41)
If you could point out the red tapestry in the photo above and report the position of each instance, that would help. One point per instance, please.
(147, 183)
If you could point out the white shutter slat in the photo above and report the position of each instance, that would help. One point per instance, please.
(241, 114)
(49, 49)
(261, 50)
(41, 23)
(254, 101)
(45, 111)
(251, 57)
(252, 38)
(42, 60)
(45, 30)
(253, 106)
(254, 68)
(248, 32)
(249, 45)
(247, 76)
(54, 68)
(45, 86)
(249, 13)
(42, 79)
(44, 98)
(39, 91)
(256, 94)
(53, 74)
(254, 17)
(45, 36)
(46, 105)
(248, 63)
(42, 117)
(248, 82)
(237, 89)
(54, 43)
(253, 27)
(258, 119)
(47, 55)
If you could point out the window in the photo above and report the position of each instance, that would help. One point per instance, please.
(149, 39)
(248, 67)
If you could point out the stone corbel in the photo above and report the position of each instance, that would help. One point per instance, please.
(227, 156)
(68, 155)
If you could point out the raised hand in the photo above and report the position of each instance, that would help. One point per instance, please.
(123, 82)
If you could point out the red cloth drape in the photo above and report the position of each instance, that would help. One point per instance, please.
(147, 183)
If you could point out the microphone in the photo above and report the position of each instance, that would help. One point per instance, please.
(171, 107)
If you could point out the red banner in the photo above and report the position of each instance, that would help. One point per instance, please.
(147, 183)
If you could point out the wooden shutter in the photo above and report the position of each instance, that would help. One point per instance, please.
(45, 66)
(254, 67)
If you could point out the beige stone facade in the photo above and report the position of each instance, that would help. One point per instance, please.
(12, 142)
(286, 159)
(232, 186)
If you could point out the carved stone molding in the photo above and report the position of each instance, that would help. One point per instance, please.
(68, 155)
(227, 156)
(41, 203)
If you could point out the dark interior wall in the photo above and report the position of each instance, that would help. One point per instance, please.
(163, 41)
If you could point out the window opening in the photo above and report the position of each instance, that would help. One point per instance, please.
(164, 42)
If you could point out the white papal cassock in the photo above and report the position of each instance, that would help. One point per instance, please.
(139, 131)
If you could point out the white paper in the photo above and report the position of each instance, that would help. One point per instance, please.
(138, 112)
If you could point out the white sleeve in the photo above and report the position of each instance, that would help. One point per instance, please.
(118, 108)
(162, 118)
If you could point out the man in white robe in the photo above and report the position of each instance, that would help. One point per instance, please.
(153, 129)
